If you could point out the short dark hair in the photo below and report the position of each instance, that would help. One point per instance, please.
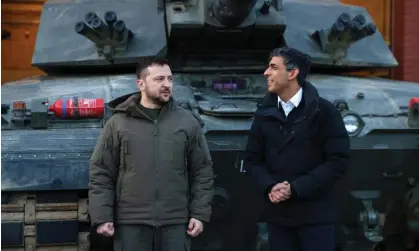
(142, 71)
(295, 58)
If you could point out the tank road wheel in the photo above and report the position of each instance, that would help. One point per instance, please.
(401, 223)
(45, 222)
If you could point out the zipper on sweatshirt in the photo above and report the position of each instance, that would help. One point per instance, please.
(156, 155)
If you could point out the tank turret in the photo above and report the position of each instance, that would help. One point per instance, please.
(218, 51)
(93, 36)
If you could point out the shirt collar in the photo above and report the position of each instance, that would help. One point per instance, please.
(295, 100)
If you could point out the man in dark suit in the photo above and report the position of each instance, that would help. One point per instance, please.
(297, 149)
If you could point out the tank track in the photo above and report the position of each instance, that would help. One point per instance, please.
(53, 222)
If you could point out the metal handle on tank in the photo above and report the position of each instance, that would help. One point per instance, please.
(392, 175)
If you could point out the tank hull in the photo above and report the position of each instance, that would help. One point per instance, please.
(213, 52)
(44, 191)
(44, 173)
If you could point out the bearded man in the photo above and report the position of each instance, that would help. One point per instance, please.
(151, 177)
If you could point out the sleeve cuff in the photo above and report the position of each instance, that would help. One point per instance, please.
(293, 192)
(269, 188)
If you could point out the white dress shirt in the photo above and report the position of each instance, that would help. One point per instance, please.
(293, 102)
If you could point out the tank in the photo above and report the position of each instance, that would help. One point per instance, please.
(218, 51)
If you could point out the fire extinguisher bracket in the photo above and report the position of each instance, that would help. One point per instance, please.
(413, 118)
(39, 114)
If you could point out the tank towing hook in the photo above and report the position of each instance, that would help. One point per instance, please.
(369, 218)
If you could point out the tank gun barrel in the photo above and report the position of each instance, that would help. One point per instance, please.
(84, 30)
(355, 29)
(370, 29)
(119, 30)
(89, 17)
(360, 19)
(110, 19)
(344, 18)
(338, 28)
(101, 28)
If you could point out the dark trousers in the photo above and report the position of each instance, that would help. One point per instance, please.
(304, 238)
(147, 238)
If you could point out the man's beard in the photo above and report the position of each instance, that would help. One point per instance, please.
(156, 99)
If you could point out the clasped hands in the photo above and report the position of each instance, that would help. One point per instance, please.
(280, 192)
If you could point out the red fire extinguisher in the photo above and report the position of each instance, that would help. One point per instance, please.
(78, 108)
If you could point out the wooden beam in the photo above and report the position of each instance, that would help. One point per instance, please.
(21, 18)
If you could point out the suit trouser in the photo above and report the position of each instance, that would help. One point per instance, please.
(148, 238)
(304, 238)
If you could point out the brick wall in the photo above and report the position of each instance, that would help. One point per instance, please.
(411, 40)
(405, 39)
